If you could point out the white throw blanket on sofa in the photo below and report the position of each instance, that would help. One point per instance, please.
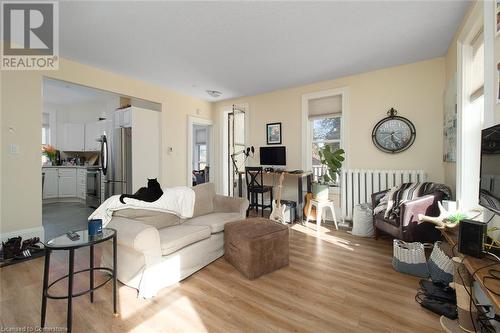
(175, 200)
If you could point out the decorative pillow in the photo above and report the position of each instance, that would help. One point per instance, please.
(204, 199)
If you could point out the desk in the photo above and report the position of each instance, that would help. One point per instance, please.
(300, 176)
(471, 263)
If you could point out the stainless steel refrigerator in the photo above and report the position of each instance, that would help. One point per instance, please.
(116, 161)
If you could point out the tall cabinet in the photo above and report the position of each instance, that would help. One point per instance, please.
(146, 142)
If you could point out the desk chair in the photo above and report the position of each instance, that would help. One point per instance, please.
(198, 177)
(255, 186)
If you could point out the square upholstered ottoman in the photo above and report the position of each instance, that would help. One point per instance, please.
(256, 246)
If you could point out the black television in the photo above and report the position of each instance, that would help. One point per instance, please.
(273, 156)
(489, 183)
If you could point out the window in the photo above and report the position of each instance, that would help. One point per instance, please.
(201, 151)
(45, 129)
(45, 135)
(325, 131)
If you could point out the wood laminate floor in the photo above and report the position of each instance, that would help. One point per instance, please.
(335, 283)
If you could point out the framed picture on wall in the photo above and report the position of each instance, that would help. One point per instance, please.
(273, 132)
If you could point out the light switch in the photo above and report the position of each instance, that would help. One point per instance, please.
(14, 148)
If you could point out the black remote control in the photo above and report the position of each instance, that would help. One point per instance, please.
(73, 235)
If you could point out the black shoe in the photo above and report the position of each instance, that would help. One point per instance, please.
(30, 244)
(11, 248)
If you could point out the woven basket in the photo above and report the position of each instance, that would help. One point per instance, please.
(410, 258)
(440, 265)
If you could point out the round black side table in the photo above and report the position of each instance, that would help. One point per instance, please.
(64, 243)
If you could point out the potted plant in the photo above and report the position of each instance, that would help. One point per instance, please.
(333, 162)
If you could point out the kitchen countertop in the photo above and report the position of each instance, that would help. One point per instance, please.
(68, 166)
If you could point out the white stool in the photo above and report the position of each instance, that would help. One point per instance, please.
(320, 204)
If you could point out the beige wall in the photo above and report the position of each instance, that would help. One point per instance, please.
(21, 110)
(497, 61)
(415, 90)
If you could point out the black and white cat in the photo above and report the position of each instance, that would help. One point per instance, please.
(149, 194)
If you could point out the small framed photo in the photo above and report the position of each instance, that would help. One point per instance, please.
(273, 132)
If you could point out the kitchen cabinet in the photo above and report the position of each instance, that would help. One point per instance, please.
(123, 117)
(93, 131)
(81, 183)
(73, 137)
(67, 182)
(50, 183)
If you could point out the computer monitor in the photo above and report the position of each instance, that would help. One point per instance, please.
(273, 156)
(489, 188)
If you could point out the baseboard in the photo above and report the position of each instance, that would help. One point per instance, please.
(69, 199)
(25, 234)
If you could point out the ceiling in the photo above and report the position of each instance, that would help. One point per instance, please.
(246, 48)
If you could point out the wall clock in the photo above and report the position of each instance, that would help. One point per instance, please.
(393, 134)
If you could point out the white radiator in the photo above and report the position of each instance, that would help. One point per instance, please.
(358, 185)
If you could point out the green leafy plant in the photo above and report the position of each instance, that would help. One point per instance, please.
(333, 161)
(456, 218)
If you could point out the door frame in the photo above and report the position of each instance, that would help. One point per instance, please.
(468, 121)
(223, 170)
(192, 121)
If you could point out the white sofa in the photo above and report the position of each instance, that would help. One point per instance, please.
(156, 249)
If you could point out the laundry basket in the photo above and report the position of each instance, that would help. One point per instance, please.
(362, 221)
(410, 258)
(440, 263)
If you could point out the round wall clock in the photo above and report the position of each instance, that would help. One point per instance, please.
(393, 134)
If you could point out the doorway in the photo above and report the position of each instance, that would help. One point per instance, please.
(234, 132)
(77, 123)
(200, 151)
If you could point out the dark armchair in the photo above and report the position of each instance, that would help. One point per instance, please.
(406, 226)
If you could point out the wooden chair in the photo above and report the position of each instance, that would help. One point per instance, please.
(199, 177)
(255, 186)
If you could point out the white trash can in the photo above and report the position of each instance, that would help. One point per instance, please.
(362, 221)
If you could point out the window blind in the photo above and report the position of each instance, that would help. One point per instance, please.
(326, 106)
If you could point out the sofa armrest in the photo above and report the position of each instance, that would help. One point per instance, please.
(137, 235)
(426, 205)
(376, 197)
(224, 204)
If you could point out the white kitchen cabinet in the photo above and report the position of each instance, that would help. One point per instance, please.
(67, 182)
(123, 117)
(81, 183)
(73, 137)
(93, 131)
(51, 183)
